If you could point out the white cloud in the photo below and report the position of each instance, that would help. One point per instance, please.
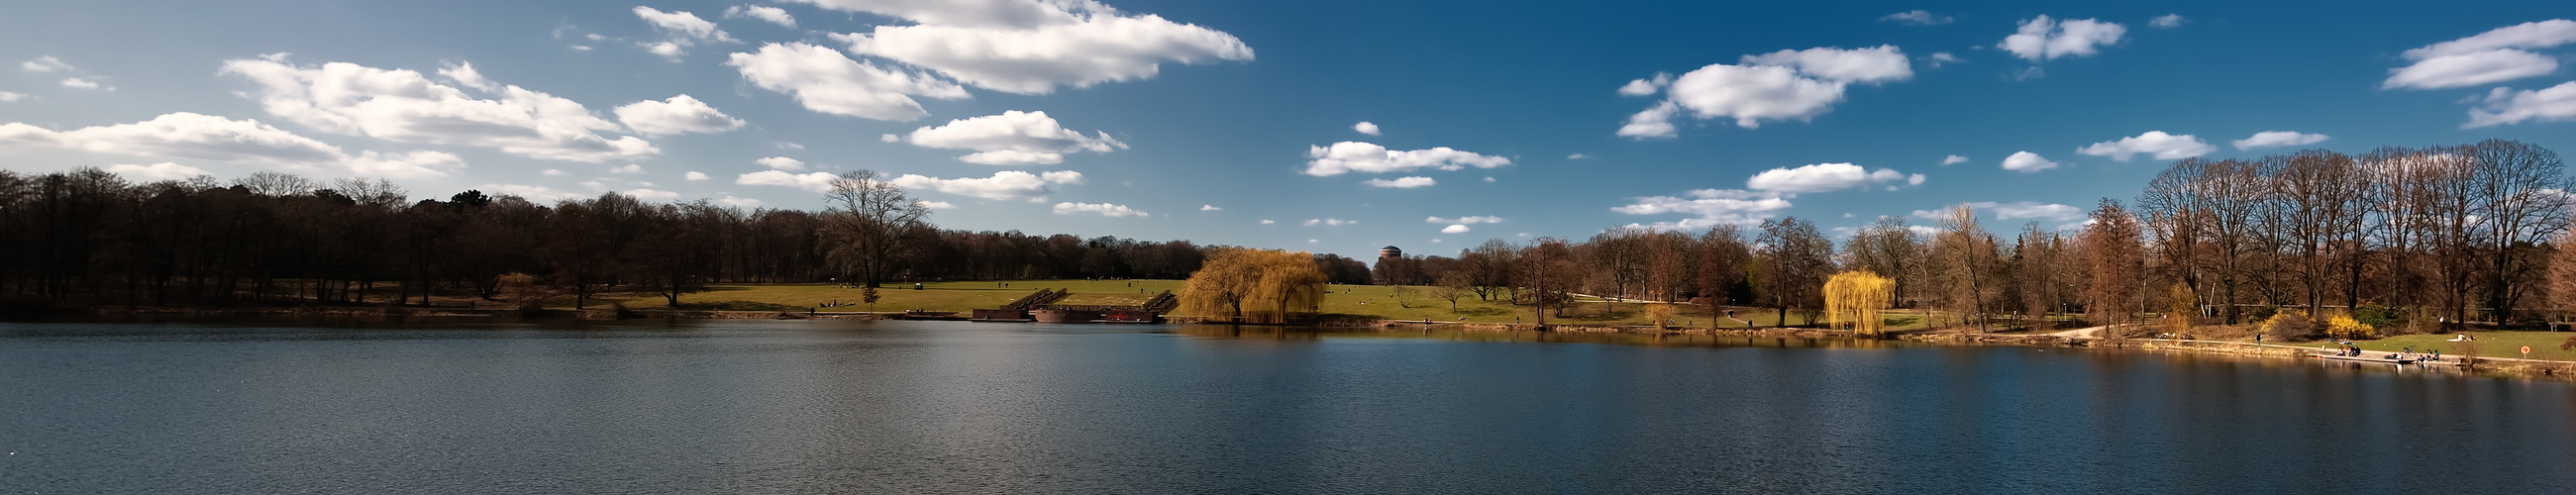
(2167, 21)
(1469, 220)
(679, 114)
(1645, 87)
(2506, 106)
(652, 194)
(2493, 56)
(1365, 128)
(46, 64)
(683, 29)
(411, 165)
(2018, 210)
(79, 83)
(1104, 209)
(695, 175)
(1008, 184)
(1031, 46)
(1942, 58)
(936, 205)
(1709, 207)
(2041, 38)
(1455, 229)
(1577, 156)
(1401, 182)
(781, 163)
(554, 173)
(762, 12)
(182, 135)
(2163, 146)
(1489, 178)
(817, 181)
(1353, 156)
(788, 145)
(1330, 221)
(740, 202)
(1012, 138)
(2027, 162)
(1783, 85)
(1917, 17)
(8, 97)
(463, 73)
(1266, 221)
(628, 169)
(825, 81)
(157, 171)
(404, 106)
(1312, 241)
(1209, 208)
(2267, 139)
(1823, 177)
(1954, 160)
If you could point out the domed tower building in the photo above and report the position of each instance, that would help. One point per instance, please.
(1390, 252)
(1389, 260)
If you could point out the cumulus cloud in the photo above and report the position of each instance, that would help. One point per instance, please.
(2506, 106)
(1365, 128)
(1783, 85)
(1401, 182)
(8, 97)
(1103, 209)
(1012, 138)
(825, 81)
(404, 106)
(2027, 162)
(1330, 221)
(1352, 156)
(739, 202)
(45, 64)
(679, 114)
(2041, 38)
(1646, 87)
(1941, 58)
(2018, 210)
(1954, 160)
(2163, 146)
(1032, 46)
(682, 29)
(1825, 177)
(781, 163)
(2167, 21)
(2497, 55)
(182, 135)
(1266, 221)
(1455, 229)
(1007, 185)
(1709, 207)
(78, 83)
(1465, 220)
(628, 169)
(409, 165)
(936, 205)
(2268, 139)
(695, 175)
(554, 173)
(1917, 17)
(773, 15)
(157, 171)
(816, 181)
(1209, 208)
(652, 194)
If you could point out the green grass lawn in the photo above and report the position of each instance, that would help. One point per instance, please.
(2544, 345)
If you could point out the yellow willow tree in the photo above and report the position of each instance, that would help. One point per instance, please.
(1254, 286)
(1857, 297)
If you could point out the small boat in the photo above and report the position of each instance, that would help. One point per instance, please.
(2368, 357)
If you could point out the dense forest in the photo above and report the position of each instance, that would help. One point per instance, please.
(2419, 237)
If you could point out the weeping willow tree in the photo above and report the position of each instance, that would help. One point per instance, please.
(1254, 286)
(1857, 297)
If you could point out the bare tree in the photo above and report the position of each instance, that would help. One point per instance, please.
(2115, 256)
(870, 223)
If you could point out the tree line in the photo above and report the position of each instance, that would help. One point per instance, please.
(88, 236)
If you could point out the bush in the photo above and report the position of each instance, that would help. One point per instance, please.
(2374, 315)
(2289, 326)
(2346, 327)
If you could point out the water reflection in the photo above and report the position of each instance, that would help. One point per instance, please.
(1277, 333)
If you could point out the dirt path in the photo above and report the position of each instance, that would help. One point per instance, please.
(2080, 333)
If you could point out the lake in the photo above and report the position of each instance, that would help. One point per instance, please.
(485, 406)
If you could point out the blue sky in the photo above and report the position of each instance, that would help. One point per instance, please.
(1238, 122)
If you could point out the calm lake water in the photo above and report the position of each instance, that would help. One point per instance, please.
(934, 407)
